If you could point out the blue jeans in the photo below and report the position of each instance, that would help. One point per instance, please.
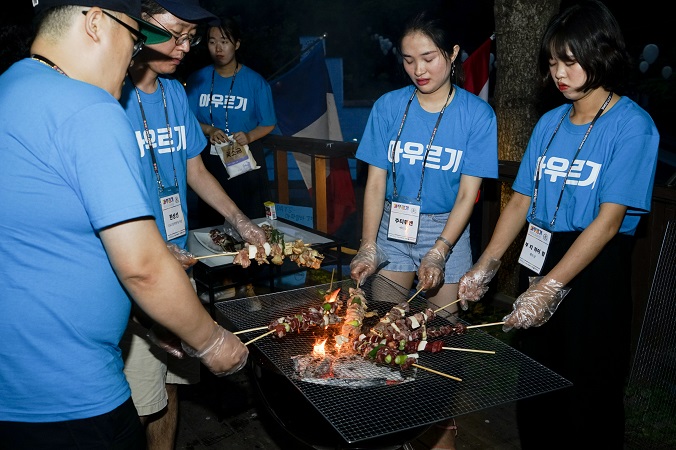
(405, 257)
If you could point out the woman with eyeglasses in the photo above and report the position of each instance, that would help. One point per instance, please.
(233, 103)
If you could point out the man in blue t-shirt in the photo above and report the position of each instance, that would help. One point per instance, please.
(77, 237)
(169, 141)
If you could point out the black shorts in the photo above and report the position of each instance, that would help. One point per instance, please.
(120, 429)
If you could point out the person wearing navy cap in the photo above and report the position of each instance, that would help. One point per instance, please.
(78, 237)
(169, 140)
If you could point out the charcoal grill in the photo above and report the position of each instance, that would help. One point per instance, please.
(379, 411)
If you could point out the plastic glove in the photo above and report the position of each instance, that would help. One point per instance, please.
(166, 340)
(249, 231)
(366, 261)
(186, 258)
(535, 306)
(431, 270)
(223, 354)
(474, 284)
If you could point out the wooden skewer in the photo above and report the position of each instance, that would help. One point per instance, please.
(414, 295)
(331, 284)
(443, 307)
(250, 329)
(437, 372)
(216, 255)
(261, 336)
(468, 350)
(485, 325)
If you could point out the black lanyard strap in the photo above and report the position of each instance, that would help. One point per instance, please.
(149, 141)
(225, 101)
(427, 149)
(570, 167)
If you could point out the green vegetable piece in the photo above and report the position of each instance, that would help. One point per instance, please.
(356, 301)
(287, 327)
(400, 359)
(402, 344)
(326, 306)
(372, 353)
(388, 359)
(354, 323)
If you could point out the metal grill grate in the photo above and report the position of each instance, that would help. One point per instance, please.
(651, 394)
(369, 412)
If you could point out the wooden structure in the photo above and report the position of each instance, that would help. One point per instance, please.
(321, 152)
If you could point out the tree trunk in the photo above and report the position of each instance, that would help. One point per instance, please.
(518, 27)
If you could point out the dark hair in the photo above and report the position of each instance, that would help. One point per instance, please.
(434, 27)
(229, 29)
(151, 7)
(593, 36)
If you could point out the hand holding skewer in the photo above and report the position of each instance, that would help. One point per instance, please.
(414, 295)
(485, 325)
(250, 329)
(444, 307)
(259, 337)
(215, 255)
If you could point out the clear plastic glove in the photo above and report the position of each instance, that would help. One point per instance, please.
(366, 261)
(431, 270)
(166, 340)
(474, 284)
(535, 306)
(186, 258)
(223, 354)
(249, 231)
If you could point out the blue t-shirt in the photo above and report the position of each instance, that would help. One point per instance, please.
(68, 168)
(466, 142)
(249, 104)
(172, 149)
(616, 165)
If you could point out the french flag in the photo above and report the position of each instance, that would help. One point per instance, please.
(305, 107)
(477, 69)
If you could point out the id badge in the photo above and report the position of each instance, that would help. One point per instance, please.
(172, 213)
(535, 248)
(404, 222)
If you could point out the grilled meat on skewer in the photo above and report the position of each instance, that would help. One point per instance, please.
(354, 316)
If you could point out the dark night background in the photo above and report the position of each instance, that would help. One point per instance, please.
(271, 31)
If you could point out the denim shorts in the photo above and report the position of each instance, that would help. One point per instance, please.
(405, 257)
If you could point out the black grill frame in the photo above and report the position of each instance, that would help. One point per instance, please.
(365, 413)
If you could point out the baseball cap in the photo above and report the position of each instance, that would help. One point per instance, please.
(132, 8)
(188, 10)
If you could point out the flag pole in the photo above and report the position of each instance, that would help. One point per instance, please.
(305, 50)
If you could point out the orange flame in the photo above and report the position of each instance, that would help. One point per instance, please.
(318, 349)
(331, 297)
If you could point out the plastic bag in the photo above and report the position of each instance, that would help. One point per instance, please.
(236, 158)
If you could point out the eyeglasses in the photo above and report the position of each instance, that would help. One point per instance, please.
(181, 38)
(139, 38)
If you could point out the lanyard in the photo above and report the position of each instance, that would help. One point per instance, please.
(541, 158)
(427, 149)
(149, 140)
(227, 99)
(47, 62)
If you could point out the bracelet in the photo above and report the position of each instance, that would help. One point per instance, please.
(445, 241)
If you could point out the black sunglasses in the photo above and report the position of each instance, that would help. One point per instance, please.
(139, 38)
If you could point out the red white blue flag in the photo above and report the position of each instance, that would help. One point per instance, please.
(477, 70)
